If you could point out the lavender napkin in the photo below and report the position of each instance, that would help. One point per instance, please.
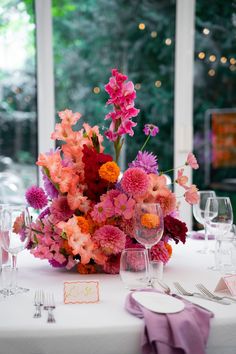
(185, 332)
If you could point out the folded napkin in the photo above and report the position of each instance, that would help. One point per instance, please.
(185, 332)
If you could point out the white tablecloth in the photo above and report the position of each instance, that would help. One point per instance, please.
(103, 328)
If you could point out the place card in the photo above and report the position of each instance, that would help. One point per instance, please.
(81, 292)
(227, 283)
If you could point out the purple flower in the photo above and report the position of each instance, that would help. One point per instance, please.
(147, 161)
(52, 192)
(36, 197)
(44, 213)
(150, 129)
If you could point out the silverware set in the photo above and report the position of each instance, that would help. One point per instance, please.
(204, 294)
(45, 301)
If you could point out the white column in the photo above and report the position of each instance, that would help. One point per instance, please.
(45, 78)
(183, 116)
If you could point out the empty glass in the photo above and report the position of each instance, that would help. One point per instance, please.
(134, 268)
(15, 236)
(198, 212)
(219, 220)
(227, 252)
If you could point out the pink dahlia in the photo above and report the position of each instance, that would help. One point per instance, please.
(110, 238)
(160, 253)
(36, 197)
(135, 181)
(146, 160)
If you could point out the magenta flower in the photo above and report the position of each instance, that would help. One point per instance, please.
(147, 161)
(150, 129)
(51, 191)
(60, 209)
(36, 197)
(135, 181)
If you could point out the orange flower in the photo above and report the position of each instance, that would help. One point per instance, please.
(67, 248)
(150, 220)
(83, 224)
(169, 248)
(109, 171)
(86, 268)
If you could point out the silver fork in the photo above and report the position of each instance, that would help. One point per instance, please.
(182, 291)
(38, 302)
(207, 292)
(49, 305)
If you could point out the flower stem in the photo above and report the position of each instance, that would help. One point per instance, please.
(145, 143)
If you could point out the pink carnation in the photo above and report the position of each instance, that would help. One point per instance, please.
(36, 197)
(159, 252)
(110, 238)
(135, 181)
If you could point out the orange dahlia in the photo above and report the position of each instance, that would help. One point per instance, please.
(83, 224)
(150, 221)
(109, 171)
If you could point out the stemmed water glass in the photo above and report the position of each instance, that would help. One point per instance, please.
(199, 214)
(149, 227)
(15, 236)
(219, 220)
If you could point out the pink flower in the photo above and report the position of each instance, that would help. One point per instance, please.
(181, 179)
(110, 238)
(167, 201)
(60, 209)
(124, 206)
(68, 117)
(160, 253)
(99, 213)
(191, 195)
(135, 181)
(36, 197)
(192, 161)
(151, 129)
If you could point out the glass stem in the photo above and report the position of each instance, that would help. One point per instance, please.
(206, 238)
(149, 267)
(14, 272)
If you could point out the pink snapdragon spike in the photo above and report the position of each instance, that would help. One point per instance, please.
(122, 95)
(151, 129)
(192, 161)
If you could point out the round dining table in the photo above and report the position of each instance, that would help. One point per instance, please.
(104, 327)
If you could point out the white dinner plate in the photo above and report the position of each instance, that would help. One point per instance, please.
(156, 302)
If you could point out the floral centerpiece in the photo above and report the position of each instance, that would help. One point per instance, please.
(87, 205)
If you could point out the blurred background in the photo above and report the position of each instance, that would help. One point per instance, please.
(89, 38)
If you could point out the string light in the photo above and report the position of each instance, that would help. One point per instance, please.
(137, 86)
(201, 55)
(232, 61)
(211, 72)
(153, 34)
(141, 26)
(158, 83)
(96, 90)
(168, 41)
(223, 60)
(212, 58)
(206, 31)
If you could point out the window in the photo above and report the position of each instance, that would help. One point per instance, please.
(18, 118)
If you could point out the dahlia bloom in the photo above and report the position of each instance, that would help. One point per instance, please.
(110, 238)
(135, 181)
(147, 161)
(36, 197)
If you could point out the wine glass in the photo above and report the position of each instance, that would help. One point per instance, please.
(198, 212)
(15, 236)
(219, 219)
(149, 227)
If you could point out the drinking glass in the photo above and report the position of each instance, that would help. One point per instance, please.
(219, 220)
(198, 212)
(134, 268)
(15, 236)
(149, 227)
(227, 252)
